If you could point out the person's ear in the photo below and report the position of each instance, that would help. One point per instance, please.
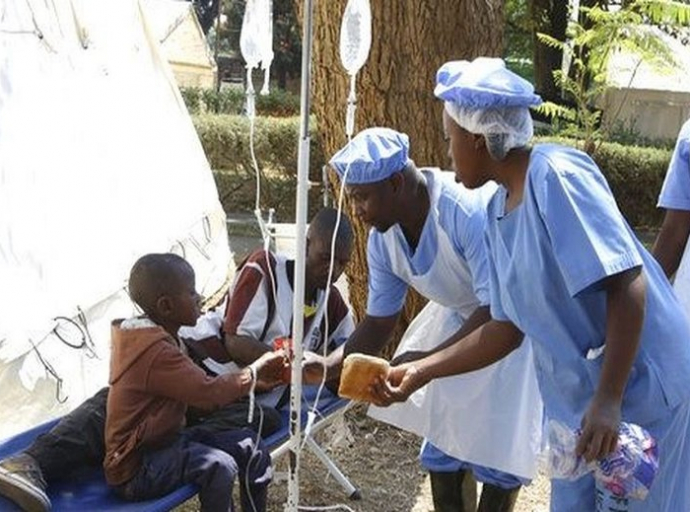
(479, 142)
(164, 305)
(397, 181)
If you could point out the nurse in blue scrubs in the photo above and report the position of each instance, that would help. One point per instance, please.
(610, 340)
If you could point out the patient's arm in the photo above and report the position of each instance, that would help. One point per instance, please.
(244, 350)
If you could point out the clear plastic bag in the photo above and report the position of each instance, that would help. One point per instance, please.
(251, 34)
(355, 35)
(627, 472)
(355, 42)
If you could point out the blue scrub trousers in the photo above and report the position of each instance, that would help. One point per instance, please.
(433, 459)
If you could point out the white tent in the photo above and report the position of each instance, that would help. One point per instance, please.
(99, 164)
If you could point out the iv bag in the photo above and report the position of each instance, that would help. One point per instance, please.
(251, 34)
(266, 41)
(355, 35)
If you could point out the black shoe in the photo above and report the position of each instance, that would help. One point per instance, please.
(496, 499)
(454, 491)
(21, 482)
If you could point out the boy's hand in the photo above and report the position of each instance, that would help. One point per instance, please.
(271, 367)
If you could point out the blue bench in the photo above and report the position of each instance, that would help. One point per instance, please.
(86, 490)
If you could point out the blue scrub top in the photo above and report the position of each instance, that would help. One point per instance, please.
(461, 215)
(675, 193)
(547, 259)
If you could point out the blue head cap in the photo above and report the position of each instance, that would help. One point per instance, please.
(372, 155)
(483, 83)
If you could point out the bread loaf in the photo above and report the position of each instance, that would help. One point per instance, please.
(359, 372)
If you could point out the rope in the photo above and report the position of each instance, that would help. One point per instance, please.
(52, 372)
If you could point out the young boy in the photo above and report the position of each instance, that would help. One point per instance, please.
(148, 451)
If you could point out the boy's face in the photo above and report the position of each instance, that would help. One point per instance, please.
(185, 304)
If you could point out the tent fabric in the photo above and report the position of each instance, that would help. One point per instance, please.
(99, 164)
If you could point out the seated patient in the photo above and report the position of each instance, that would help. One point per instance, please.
(149, 452)
(260, 306)
(251, 319)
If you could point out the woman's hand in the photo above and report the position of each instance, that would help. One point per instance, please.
(599, 429)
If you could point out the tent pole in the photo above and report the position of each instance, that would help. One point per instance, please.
(300, 235)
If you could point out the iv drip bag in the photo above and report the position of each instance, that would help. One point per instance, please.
(355, 35)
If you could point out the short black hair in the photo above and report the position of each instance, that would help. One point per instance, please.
(323, 224)
(154, 275)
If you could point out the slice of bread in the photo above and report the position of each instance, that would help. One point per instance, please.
(359, 372)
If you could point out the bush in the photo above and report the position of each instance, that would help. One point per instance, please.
(231, 101)
(226, 142)
(635, 175)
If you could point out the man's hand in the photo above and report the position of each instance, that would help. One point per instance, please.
(599, 429)
(400, 383)
(313, 368)
(408, 357)
(271, 367)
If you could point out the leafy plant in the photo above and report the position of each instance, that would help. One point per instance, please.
(590, 46)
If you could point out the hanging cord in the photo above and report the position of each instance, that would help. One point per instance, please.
(257, 439)
(266, 241)
(82, 327)
(313, 411)
(52, 372)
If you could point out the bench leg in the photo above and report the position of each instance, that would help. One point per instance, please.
(352, 492)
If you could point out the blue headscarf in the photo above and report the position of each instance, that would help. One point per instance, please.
(483, 83)
(372, 155)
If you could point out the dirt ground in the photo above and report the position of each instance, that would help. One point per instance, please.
(381, 461)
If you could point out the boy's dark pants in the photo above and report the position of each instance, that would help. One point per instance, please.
(211, 460)
(78, 438)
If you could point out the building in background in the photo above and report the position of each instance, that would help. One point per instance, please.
(182, 41)
(651, 102)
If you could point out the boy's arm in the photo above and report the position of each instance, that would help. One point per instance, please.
(174, 375)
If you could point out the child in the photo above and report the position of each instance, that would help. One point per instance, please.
(149, 453)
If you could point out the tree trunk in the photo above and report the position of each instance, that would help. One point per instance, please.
(549, 17)
(410, 40)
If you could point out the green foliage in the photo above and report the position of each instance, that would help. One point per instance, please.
(590, 46)
(635, 175)
(518, 35)
(225, 140)
(231, 101)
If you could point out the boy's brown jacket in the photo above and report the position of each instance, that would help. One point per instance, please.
(152, 382)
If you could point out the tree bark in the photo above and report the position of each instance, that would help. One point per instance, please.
(410, 40)
(548, 17)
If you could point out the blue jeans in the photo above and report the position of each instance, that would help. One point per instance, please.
(211, 460)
